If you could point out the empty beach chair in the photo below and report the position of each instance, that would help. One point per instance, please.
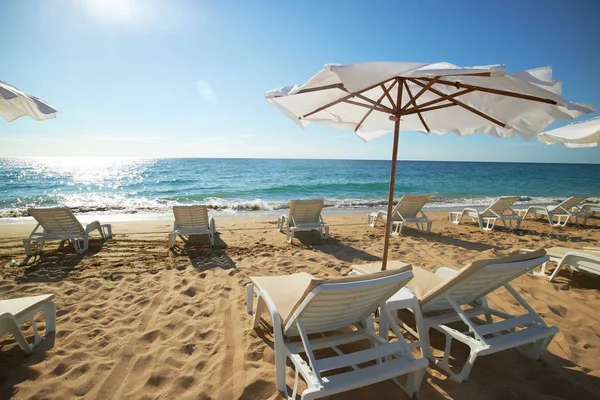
(499, 210)
(407, 211)
(301, 306)
(14, 312)
(585, 260)
(304, 215)
(563, 212)
(590, 208)
(454, 303)
(190, 221)
(59, 223)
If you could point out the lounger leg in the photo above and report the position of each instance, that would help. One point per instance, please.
(249, 298)
(27, 246)
(280, 356)
(556, 270)
(16, 331)
(290, 235)
(534, 351)
(466, 370)
(396, 228)
(429, 223)
(49, 311)
(280, 222)
(172, 238)
(106, 231)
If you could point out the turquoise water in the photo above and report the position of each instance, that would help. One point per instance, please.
(116, 185)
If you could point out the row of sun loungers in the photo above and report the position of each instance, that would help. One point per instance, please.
(303, 308)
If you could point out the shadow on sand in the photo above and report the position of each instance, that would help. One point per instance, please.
(202, 255)
(55, 265)
(332, 246)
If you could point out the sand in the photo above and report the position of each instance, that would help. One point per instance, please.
(138, 321)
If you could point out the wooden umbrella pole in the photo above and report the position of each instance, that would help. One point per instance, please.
(388, 224)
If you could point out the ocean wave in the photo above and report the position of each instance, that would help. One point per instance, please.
(120, 204)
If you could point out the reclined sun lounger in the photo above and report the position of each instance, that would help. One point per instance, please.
(407, 211)
(301, 305)
(190, 221)
(563, 212)
(14, 312)
(59, 223)
(585, 260)
(304, 215)
(454, 303)
(590, 208)
(499, 210)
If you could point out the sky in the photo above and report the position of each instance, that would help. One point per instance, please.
(150, 78)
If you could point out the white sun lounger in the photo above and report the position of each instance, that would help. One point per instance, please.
(454, 303)
(585, 260)
(190, 221)
(499, 210)
(59, 223)
(407, 211)
(304, 215)
(563, 212)
(590, 208)
(301, 305)
(14, 312)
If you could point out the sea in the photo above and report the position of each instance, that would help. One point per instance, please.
(234, 186)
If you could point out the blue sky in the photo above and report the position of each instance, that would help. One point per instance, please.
(187, 78)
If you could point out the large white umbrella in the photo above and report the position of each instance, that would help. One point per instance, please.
(376, 98)
(578, 134)
(15, 104)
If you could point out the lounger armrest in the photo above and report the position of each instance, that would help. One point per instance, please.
(445, 272)
(275, 317)
(34, 230)
(92, 226)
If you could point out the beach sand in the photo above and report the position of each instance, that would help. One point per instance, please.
(137, 321)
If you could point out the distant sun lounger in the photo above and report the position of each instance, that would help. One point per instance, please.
(563, 212)
(59, 223)
(303, 309)
(585, 260)
(190, 221)
(591, 208)
(14, 312)
(499, 210)
(304, 215)
(408, 210)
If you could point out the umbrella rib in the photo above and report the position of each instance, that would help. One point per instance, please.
(439, 100)
(423, 90)
(334, 86)
(333, 103)
(463, 105)
(459, 85)
(368, 100)
(385, 93)
(424, 110)
(416, 107)
(374, 106)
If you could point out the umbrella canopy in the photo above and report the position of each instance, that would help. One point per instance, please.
(578, 134)
(373, 99)
(15, 104)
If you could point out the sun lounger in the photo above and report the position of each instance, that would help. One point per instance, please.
(563, 212)
(59, 223)
(454, 303)
(301, 305)
(190, 221)
(407, 211)
(304, 215)
(585, 260)
(590, 208)
(14, 312)
(499, 210)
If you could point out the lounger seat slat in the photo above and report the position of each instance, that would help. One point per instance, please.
(507, 324)
(359, 357)
(329, 341)
(521, 337)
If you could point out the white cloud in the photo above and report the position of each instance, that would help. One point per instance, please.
(206, 92)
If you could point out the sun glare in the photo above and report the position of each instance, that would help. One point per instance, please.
(111, 9)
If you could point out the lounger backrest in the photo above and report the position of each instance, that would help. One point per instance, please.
(480, 278)
(305, 211)
(191, 216)
(56, 220)
(500, 206)
(410, 205)
(572, 202)
(338, 303)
